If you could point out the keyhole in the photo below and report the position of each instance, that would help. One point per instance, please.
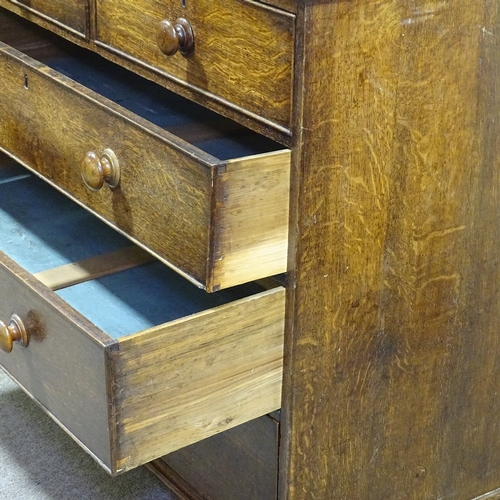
(25, 81)
(184, 3)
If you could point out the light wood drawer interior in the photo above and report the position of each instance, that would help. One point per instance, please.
(69, 15)
(242, 53)
(203, 194)
(137, 363)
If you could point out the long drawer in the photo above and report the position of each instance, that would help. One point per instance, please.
(132, 360)
(204, 195)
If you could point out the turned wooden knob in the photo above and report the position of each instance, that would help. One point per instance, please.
(13, 332)
(98, 170)
(173, 37)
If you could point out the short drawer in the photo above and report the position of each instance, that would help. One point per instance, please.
(242, 51)
(239, 463)
(70, 15)
(204, 195)
(134, 362)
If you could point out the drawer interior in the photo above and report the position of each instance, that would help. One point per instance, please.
(42, 229)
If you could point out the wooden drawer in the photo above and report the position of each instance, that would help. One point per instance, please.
(204, 195)
(134, 364)
(242, 53)
(70, 15)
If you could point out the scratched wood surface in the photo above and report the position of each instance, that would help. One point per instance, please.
(392, 347)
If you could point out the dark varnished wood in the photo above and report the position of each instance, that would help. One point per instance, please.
(176, 484)
(239, 463)
(65, 356)
(242, 54)
(391, 360)
(186, 87)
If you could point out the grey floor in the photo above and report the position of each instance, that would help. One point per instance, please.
(38, 461)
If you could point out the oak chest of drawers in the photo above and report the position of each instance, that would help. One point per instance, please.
(390, 353)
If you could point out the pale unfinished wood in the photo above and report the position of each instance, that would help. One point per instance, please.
(93, 267)
(251, 229)
(196, 377)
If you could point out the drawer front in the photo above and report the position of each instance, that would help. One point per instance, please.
(172, 198)
(242, 53)
(63, 367)
(130, 401)
(70, 14)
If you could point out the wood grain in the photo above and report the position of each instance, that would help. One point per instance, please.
(130, 401)
(221, 368)
(243, 50)
(250, 232)
(237, 113)
(391, 363)
(93, 267)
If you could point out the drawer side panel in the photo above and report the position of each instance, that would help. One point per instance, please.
(188, 380)
(251, 221)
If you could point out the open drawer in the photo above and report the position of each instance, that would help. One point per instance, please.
(138, 362)
(204, 195)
